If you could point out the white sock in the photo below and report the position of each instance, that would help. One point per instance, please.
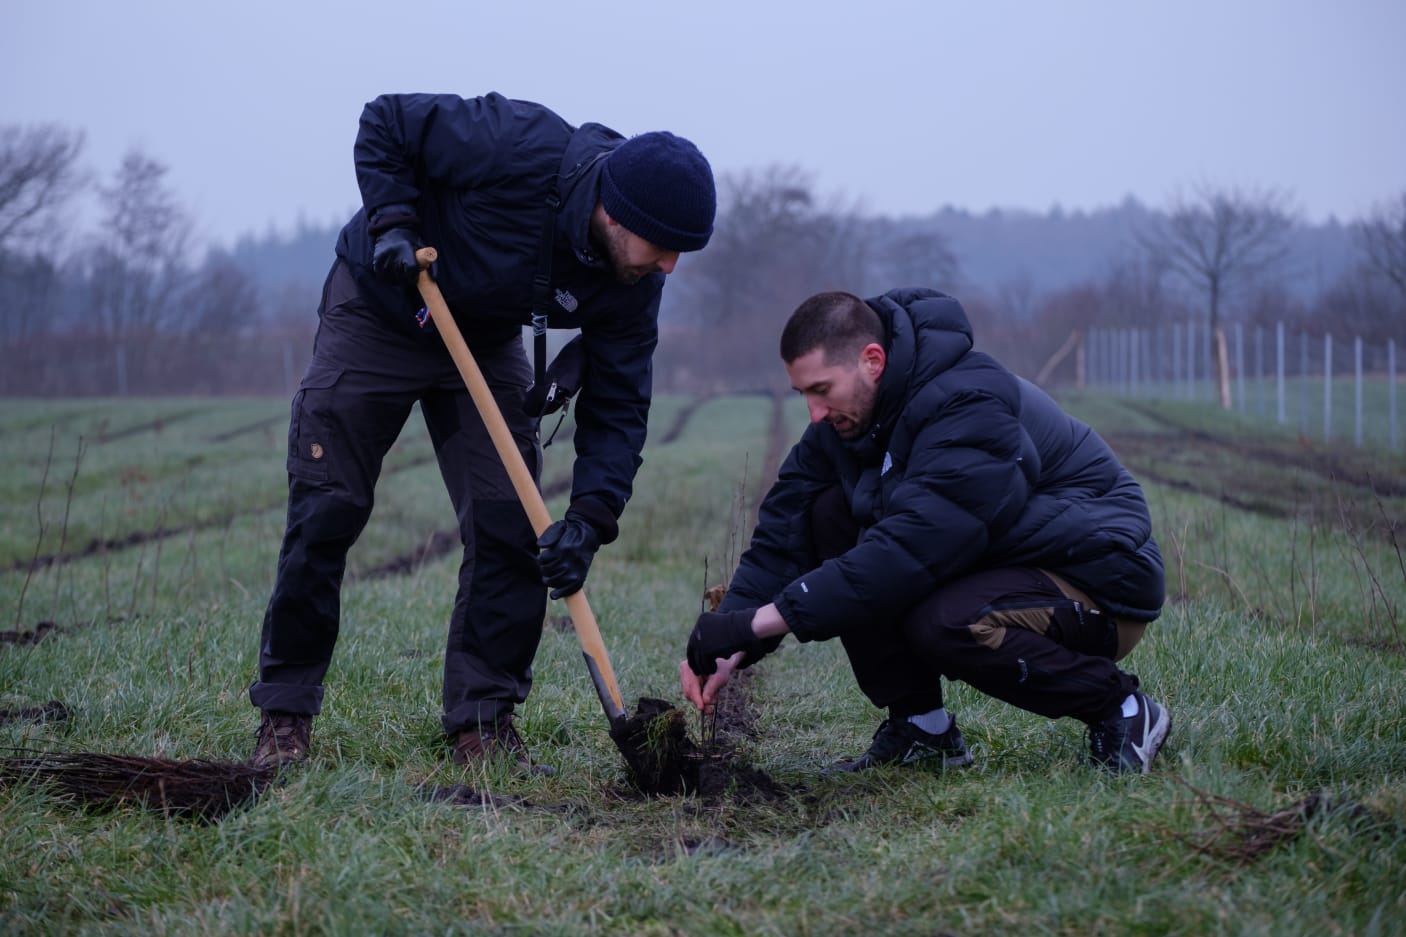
(1130, 706)
(936, 722)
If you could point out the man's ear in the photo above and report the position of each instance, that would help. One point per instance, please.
(872, 360)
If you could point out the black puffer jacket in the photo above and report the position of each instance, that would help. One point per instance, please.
(476, 173)
(966, 467)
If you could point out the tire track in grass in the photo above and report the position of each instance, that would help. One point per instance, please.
(446, 540)
(254, 427)
(156, 425)
(1329, 464)
(137, 538)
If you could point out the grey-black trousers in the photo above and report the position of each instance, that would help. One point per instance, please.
(1022, 635)
(365, 377)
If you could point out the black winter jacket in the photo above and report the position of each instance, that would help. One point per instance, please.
(476, 173)
(966, 467)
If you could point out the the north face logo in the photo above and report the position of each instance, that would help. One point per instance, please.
(566, 301)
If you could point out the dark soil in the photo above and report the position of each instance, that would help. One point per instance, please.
(461, 795)
(52, 711)
(661, 758)
(28, 637)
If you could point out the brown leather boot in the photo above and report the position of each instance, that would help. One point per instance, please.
(283, 739)
(491, 740)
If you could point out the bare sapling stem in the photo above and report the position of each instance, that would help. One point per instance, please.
(39, 538)
(67, 511)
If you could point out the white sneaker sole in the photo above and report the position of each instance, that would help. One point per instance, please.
(1152, 735)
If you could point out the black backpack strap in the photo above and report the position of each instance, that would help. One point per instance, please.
(542, 288)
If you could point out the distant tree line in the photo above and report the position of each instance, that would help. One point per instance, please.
(135, 306)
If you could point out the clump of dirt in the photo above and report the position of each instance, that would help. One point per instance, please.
(52, 711)
(28, 637)
(662, 759)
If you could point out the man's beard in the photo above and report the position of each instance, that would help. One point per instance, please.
(613, 250)
(865, 403)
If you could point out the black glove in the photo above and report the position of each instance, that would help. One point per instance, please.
(722, 634)
(566, 549)
(393, 256)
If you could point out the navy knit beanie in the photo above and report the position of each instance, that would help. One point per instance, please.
(660, 187)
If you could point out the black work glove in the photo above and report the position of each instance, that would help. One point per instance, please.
(722, 634)
(393, 256)
(565, 551)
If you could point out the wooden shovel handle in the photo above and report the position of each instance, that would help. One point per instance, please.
(587, 631)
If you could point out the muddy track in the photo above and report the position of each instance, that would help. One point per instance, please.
(264, 424)
(136, 538)
(153, 426)
(1285, 481)
(1328, 463)
(439, 542)
(681, 419)
(445, 541)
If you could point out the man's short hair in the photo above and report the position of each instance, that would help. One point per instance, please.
(839, 324)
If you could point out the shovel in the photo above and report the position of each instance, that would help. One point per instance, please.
(584, 620)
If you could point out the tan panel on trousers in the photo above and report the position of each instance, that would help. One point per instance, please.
(1129, 632)
(990, 630)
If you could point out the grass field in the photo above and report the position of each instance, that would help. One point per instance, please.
(137, 546)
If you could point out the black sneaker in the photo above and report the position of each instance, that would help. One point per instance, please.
(1126, 744)
(900, 742)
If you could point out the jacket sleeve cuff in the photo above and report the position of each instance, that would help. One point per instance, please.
(598, 516)
(391, 216)
(792, 617)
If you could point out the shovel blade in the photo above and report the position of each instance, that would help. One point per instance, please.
(614, 710)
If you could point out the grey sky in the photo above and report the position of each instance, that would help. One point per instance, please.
(901, 105)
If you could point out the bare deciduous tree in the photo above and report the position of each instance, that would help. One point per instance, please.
(1383, 237)
(39, 174)
(774, 244)
(140, 255)
(1220, 240)
(916, 257)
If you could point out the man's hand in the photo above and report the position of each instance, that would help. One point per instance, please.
(393, 256)
(566, 550)
(704, 693)
(721, 634)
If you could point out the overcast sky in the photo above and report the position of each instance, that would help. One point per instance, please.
(902, 105)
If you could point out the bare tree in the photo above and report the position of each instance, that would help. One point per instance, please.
(774, 244)
(1220, 240)
(137, 267)
(1383, 237)
(39, 174)
(915, 257)
(141, 250)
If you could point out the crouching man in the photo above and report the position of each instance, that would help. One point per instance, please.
(943, 518)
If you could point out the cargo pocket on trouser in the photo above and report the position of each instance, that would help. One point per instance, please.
(312, 436)
(1080, 626)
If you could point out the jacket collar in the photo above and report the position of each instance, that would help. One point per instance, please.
(579, 184)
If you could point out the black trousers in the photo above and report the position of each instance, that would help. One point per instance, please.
(1022, 635)
(365, 377)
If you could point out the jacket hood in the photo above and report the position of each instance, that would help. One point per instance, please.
(928, 332)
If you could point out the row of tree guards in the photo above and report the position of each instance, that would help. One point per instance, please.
(1297, 378)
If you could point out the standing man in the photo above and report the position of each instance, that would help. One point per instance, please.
(534, 221)
(943, 518)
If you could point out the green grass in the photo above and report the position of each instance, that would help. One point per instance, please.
(1280, 655)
